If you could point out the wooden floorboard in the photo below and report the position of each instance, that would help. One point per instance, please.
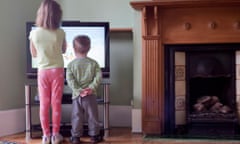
(122, 136)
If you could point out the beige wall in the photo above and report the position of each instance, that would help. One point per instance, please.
(13, 15)
(118, 12)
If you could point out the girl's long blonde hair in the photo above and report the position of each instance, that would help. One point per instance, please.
(49, 15)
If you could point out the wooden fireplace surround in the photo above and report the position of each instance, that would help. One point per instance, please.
(178, 22)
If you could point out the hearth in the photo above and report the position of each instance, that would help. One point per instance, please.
(203, 87)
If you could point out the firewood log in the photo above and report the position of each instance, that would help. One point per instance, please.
(214, 99)
(225, 109)
(204, 99)
(216, 107)
(198, 107)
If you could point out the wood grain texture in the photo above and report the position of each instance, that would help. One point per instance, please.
(178, 22)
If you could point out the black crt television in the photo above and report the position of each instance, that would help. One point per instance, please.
(99, 51)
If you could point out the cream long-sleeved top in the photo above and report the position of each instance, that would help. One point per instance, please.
(48, 44)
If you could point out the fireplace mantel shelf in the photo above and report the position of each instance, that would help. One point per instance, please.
(138, 5)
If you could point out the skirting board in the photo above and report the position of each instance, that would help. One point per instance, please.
(13, 121)
(136, 120)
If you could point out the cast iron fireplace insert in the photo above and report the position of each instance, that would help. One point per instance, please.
(210, 85)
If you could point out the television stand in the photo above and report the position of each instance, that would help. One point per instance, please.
(28, 104)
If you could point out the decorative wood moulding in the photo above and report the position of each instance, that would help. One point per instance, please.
(190, 21)
(187, 26)
(236, 25)
(139, 5)
(150, 24)
(212, 25)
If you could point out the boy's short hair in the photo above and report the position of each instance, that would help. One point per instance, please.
(81, 43)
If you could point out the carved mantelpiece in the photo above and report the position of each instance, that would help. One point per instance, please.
(178, 22)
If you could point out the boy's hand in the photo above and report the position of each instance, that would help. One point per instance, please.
(85, 92)
(89, 91)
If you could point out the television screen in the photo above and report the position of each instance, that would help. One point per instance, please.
(98, 33)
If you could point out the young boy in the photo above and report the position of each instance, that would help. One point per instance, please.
(83, 77)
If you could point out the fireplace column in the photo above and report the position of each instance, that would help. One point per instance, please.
(152, 73)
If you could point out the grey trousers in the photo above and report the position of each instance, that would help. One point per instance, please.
(81, 107)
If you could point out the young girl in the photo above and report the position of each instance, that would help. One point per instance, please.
(47, 43)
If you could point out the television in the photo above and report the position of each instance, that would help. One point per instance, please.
(99, 51)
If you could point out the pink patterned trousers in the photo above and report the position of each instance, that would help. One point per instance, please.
(50, 88)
